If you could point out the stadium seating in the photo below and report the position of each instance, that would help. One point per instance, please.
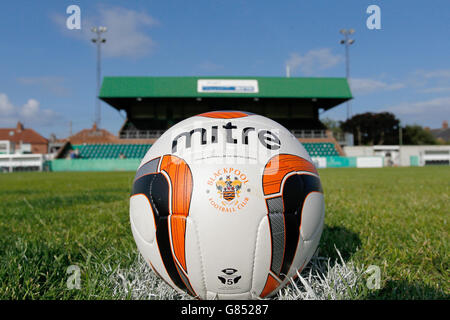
(111, 151)
(137, 151)
(320, 149)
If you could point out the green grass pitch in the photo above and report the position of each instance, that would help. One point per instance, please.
(393, 218)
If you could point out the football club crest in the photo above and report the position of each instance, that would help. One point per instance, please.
(229, 190)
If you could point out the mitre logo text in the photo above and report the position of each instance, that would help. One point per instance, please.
(228, 190)
(231, 135)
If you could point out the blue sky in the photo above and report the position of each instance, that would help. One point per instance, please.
(47, 72)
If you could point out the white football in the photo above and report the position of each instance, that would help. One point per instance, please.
(227, 205)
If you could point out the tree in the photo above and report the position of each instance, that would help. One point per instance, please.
(334, 126)
(415, 135)
(373, 128)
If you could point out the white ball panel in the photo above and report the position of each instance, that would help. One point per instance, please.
(262, 257)
(150, 253)
(306, 251)
(194, 259)
(226, 243)
(312, 214)
(299, 258)
(141, 214)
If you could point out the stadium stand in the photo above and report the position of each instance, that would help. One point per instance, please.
(95, 143)
(154, 104)
(137, 151)
(111, 151)
(320, 149)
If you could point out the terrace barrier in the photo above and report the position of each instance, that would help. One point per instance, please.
(94, 164)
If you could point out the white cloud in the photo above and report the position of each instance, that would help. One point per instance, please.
(126, 35)
(366, 85)
(6, 107)
(431, 81)
(435, 90)
(29, 113)
(442, 73)
(420, 111)
(30, 109)
(313, 61)
(421, 81)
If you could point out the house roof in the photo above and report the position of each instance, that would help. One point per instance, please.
(20, 134)
(100, 136)
(92, 135)
(441, 133)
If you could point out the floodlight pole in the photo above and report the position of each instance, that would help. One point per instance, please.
(347, 42)
(98, 40)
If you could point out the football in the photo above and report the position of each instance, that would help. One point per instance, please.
(227, 205)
